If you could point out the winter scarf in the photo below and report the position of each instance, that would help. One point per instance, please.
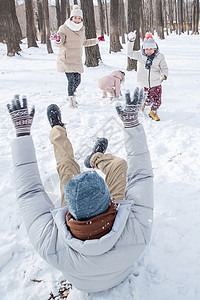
(73, 26)
(94, 228)
(150, 58)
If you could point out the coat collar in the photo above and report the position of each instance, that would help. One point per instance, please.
(97, 246)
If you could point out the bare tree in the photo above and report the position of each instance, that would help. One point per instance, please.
(9, 31)
(187, 17)
(41, 23)
(30, 24)
(63, 11)
(18, 31)
(122, 21)
(180, 16)
(107, 23)
(176, 15)
(47, 26)
(170, 15)
(195, 16)
(58, 14)
(142, 26)
(101, 17)
(165, 16)
(159, 18)
(152, 16)
(115, 45)
(133, 24)
(92, 53)
(68, 8)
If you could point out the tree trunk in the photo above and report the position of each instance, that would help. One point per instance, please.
(170, 15)
(18, 31)
(47, 26)
(165, 16)
(30, 25)
(133, 24)
(58, 16)
(41, 23)
(176, 16)
(63, 11)
(159, 18)
(115, 45)
(151, 17)
(68, 8)
(180, 16)
(9, 31)
(195, 16)
(75, 2)
(122, 21)
(92, 54)
(187, 17)
(107, 23)
(142, 25)
(101, 17)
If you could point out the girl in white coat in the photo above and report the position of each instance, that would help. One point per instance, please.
(151, 71)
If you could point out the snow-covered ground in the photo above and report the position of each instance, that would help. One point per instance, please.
(169, 269)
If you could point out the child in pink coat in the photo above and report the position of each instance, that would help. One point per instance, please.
(111, 84)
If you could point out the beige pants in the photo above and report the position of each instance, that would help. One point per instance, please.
(113, 167)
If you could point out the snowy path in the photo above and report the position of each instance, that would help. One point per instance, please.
(170, 266)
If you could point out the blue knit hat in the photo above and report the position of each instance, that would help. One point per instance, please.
(87, 195)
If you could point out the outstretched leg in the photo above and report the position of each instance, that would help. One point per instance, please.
(67, 167)
(115, 169)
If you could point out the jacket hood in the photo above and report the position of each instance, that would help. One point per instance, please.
(117, 74)
(96, 246)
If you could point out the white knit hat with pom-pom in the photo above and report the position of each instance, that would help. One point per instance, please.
(76, 11)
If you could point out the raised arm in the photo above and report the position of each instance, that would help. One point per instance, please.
(33, 202)
(139, 187)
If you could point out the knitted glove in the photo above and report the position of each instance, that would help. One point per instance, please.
(132, 36)
(129, 115)
(20, 116)
(55, 37)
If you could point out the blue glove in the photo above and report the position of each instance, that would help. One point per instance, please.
(21, 118)
(129, 115)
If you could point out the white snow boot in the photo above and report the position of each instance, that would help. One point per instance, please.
(72, 102)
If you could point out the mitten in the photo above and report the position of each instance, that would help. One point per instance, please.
(55, 37)
(21, 118)
(129, 115)
(163, 77)
(132, 36)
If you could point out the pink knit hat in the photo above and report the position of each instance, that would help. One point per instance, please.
(149, 42)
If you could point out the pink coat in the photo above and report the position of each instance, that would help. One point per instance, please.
(107, 83)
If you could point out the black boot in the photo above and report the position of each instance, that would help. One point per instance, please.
(100, 146)
(54, 115)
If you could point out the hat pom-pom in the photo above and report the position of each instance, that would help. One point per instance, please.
(76, 7)
(148, 35)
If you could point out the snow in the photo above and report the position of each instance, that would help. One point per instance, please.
(170, 266)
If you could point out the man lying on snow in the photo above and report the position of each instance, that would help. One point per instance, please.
(94, 240)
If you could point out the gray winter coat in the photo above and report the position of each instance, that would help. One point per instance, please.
(92, 265)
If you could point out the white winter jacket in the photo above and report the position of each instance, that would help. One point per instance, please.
(152, 77)
(91, 265)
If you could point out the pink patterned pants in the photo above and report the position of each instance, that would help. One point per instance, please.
(153, 97)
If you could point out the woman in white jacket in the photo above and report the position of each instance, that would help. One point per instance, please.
(151, 71)
(89, 264)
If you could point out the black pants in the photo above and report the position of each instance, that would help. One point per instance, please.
(74, 79)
